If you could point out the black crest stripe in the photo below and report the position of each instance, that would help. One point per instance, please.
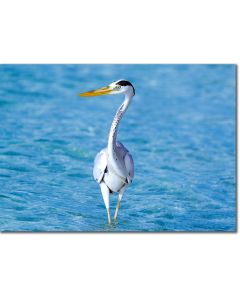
(125, 83)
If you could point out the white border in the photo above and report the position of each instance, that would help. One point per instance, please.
(119, 266)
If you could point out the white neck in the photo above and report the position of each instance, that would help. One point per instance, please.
(114, 127)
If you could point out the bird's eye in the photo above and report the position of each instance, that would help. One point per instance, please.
(118, 87)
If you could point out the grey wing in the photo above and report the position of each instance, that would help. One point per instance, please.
(100, 165)
(129, 166)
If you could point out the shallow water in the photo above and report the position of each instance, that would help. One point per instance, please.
(180, 129)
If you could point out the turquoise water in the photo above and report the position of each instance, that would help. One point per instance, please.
(180, 129)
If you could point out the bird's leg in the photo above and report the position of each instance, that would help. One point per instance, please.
(121, 192)
(105, 194)
(109, 217)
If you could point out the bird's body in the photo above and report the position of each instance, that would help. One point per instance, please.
(113, 166)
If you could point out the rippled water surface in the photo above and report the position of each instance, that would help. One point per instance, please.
(180, 129)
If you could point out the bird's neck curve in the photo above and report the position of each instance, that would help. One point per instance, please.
(115, 123)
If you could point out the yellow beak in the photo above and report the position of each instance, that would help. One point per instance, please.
(103, 91)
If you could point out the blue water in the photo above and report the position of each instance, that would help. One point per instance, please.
(180, 129)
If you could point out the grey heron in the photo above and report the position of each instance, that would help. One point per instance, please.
(113, 166)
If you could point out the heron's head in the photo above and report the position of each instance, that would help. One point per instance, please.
(117, 87)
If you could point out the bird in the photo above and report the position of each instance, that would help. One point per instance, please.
(113, 167)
